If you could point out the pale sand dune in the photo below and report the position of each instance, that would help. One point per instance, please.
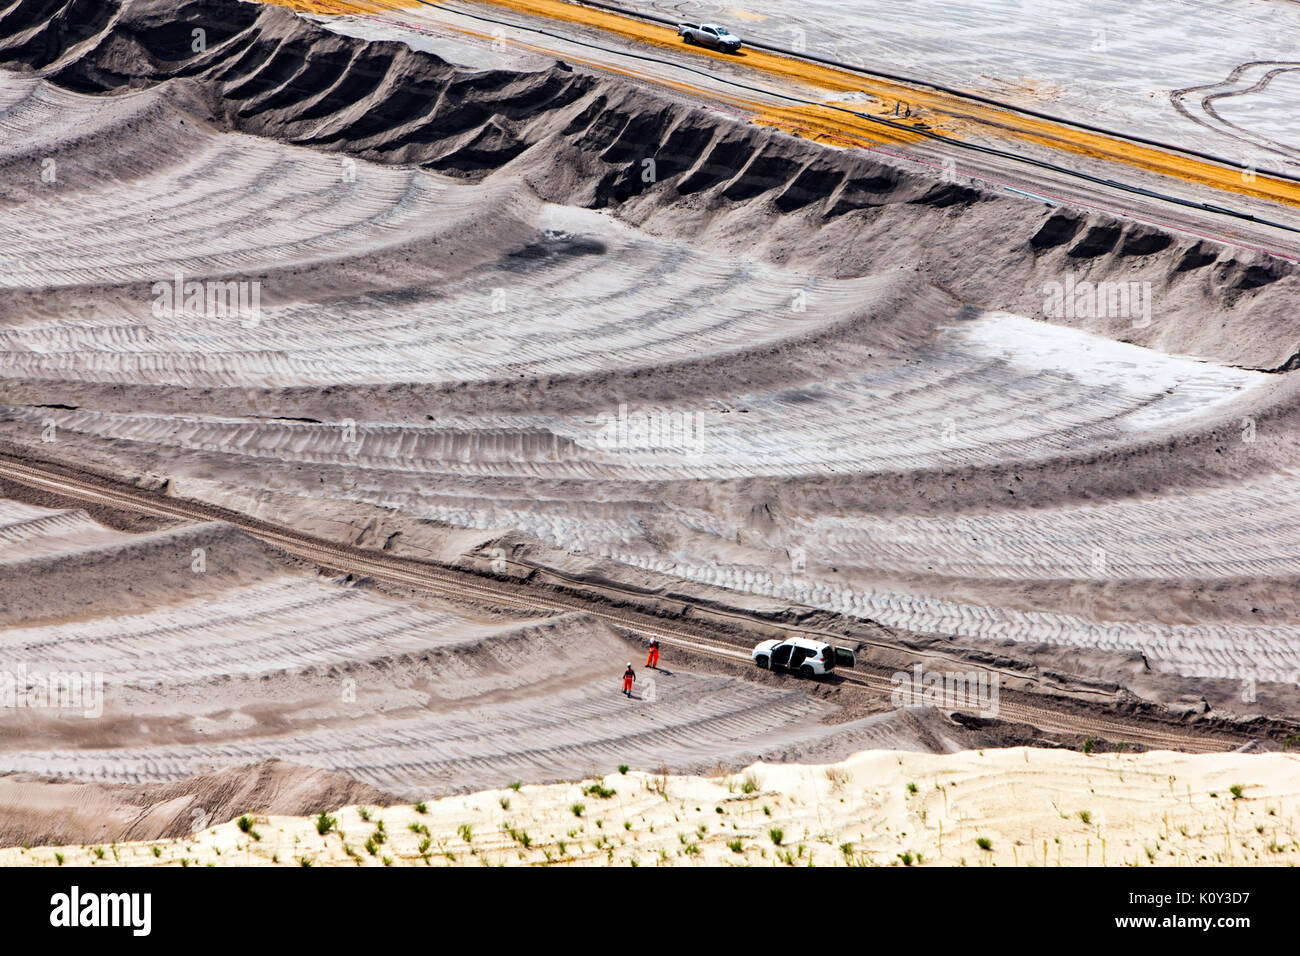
(1142, 809)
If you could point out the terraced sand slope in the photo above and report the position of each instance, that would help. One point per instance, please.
(1013, 807)
(575, 138)
(60, 567)
(979, 396)
(768, 369)
(1101, 61)
(410, 696)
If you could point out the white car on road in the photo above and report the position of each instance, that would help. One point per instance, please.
(709, 34)
(803, 656)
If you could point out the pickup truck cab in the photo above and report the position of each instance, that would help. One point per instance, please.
(709, 34)
(802, 656)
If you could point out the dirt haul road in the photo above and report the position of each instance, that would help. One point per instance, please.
(443, 324)
(249, 659)
(41, 534)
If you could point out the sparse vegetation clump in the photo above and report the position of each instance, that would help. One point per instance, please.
(520, 836)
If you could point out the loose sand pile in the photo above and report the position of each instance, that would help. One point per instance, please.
(879, 808)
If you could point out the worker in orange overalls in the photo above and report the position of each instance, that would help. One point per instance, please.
(628, 677)
(652, 659)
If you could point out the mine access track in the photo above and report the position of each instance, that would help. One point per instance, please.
(465, 584)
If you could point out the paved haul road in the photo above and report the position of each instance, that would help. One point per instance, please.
(844, 108)
(459, 583)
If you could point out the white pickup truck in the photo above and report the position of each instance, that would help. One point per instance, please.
(709, 34)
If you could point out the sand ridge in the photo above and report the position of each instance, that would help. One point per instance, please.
(1012, 807)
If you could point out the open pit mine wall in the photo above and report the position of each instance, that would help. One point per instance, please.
(582, 139)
